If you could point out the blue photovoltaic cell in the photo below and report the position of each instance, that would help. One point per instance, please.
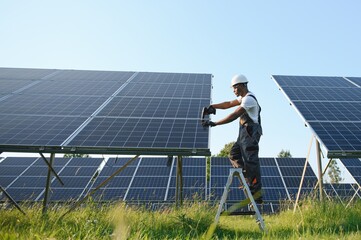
(85, 162)
(78, 171)
(311, 81)
(99, 76)
(294, 182)
(75, 88)
(300, 162)
(150, 182)
(24, 73)
(18, 161)
(115, 182)
(351, 162)
(190, 182)
(323, 94)
(110, 194)
(173, 90)
(296, 171)
(144, 194)
(39, 171)
(66, 194)
(72, 182)
(120, 161)
(29, 182)
(330, 111)
(194, 162)
(354, 167)
(21, 194)
(220, 161)
(269, 171)
(154, 161)
(35, 131)
(339, 136)
(331, 107)
(8, 87)
(267, 162)
(126, 172)
(188, 194)
(142, 133)
(356, 80)
(153, 171)
(51, 105)
(11, 170)
(153, 108)
(165, 78)
(191, 171)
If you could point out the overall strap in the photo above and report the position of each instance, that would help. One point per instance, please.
(259, 107)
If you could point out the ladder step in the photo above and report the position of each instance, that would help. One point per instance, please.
(241, 213)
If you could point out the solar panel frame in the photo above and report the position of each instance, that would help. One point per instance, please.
(339, 129)
(98, 85)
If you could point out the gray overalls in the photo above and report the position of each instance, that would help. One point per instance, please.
(244, 152)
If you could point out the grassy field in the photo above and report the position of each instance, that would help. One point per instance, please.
(314, 220)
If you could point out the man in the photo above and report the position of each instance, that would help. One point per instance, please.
(244, 152)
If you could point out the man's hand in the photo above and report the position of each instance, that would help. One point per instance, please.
(209, 124)
(210, 110)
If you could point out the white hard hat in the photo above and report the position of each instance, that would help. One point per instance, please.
(239, 78)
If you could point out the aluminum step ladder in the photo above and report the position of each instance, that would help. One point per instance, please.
(238, 172)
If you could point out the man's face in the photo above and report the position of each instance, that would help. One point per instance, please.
(237, 89)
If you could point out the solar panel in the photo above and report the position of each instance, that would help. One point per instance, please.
(103, 112)
(354, 167)
(291, 170)
(30, 183)
(331, 107)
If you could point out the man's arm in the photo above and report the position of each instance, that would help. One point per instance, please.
(231, 117)
(226, 105)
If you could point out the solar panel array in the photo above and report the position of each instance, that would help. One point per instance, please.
(25, 178)
(331, 106)
(280, 180)
(103, 111)
(151, 180)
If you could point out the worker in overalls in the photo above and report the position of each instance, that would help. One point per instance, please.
(244, 152)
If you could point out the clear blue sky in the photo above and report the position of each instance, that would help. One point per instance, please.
(256, 38)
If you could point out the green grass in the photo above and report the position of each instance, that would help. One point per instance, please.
(314, 220)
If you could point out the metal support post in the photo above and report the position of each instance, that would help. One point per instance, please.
(303, 175)
(319, 164)
(51, 168)
(48, 183)
(12, 200)
(179, 182)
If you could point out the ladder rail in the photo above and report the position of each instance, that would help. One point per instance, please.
(247, 192)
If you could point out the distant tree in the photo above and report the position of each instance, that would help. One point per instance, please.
(334, 172)
(226, 150)
(284, 154)
(75, 155)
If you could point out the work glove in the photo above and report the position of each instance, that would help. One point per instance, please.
(209, 124)
(210, 110)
